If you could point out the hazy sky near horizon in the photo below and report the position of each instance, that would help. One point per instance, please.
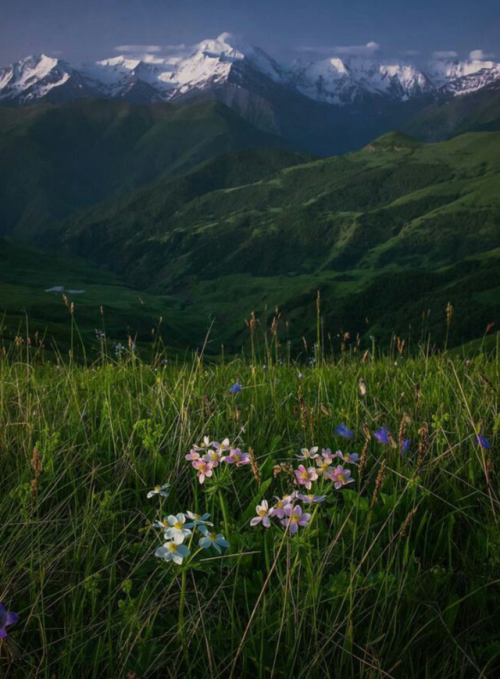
(79, 30)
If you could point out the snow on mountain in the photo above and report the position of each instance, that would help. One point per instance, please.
(462, 77)
(213, 61)
(341, 80)
(32, 78)
(114, 77)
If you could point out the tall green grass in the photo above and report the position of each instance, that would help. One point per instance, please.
(398, 575)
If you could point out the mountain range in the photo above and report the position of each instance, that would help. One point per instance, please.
(325, 106)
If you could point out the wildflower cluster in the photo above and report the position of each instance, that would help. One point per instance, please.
(182, 527)
(179, 528)
(210, 454)
(323, 469)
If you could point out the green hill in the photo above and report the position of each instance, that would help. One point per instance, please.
(386, 233)
(56, 159)
(389, 235)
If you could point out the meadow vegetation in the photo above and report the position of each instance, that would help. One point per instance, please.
(394, 575)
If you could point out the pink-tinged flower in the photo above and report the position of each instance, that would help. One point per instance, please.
(305, 477)
(347, 458)
(312, 499)
(196, 452)
(223, 447)
(279, 508)
(324, 466)
(204, 469)
(213, 456)
(306, 454)
(340, 476)
(262, 515)
(295, 518)
(237, 457)
(6, 618)
(327, 455)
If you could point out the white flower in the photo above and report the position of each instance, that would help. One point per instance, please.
(172, 551)
(198, 520)
(160, 490)
(161, 524)
(206, 443)
(262, 515)
(177, 530)
(208, 540)
(306, 454)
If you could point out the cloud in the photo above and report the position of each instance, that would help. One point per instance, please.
(479, 55)
(155, 54)
(143, 49)
(348, 50)
(445, 54)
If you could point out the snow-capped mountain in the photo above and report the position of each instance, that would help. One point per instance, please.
(463, 77)
(36, 78)
(340, 80)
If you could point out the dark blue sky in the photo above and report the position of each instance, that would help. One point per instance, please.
(83, 29)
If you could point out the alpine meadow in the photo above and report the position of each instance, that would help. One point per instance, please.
(249, 340)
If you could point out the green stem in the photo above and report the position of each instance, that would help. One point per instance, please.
(182, 602)
(224, 514)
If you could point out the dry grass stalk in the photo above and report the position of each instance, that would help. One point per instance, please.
(378, 484)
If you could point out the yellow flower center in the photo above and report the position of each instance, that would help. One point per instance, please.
(295, 517)
(178, 524)
(262, 512)
(172, 547)
(340, 477)
(157, 487)
(304, 475)
(213, 537)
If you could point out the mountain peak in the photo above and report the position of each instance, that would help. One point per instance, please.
(340, 80)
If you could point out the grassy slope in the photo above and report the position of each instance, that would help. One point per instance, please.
(397, 577)
(388, 232)
(25, 274)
